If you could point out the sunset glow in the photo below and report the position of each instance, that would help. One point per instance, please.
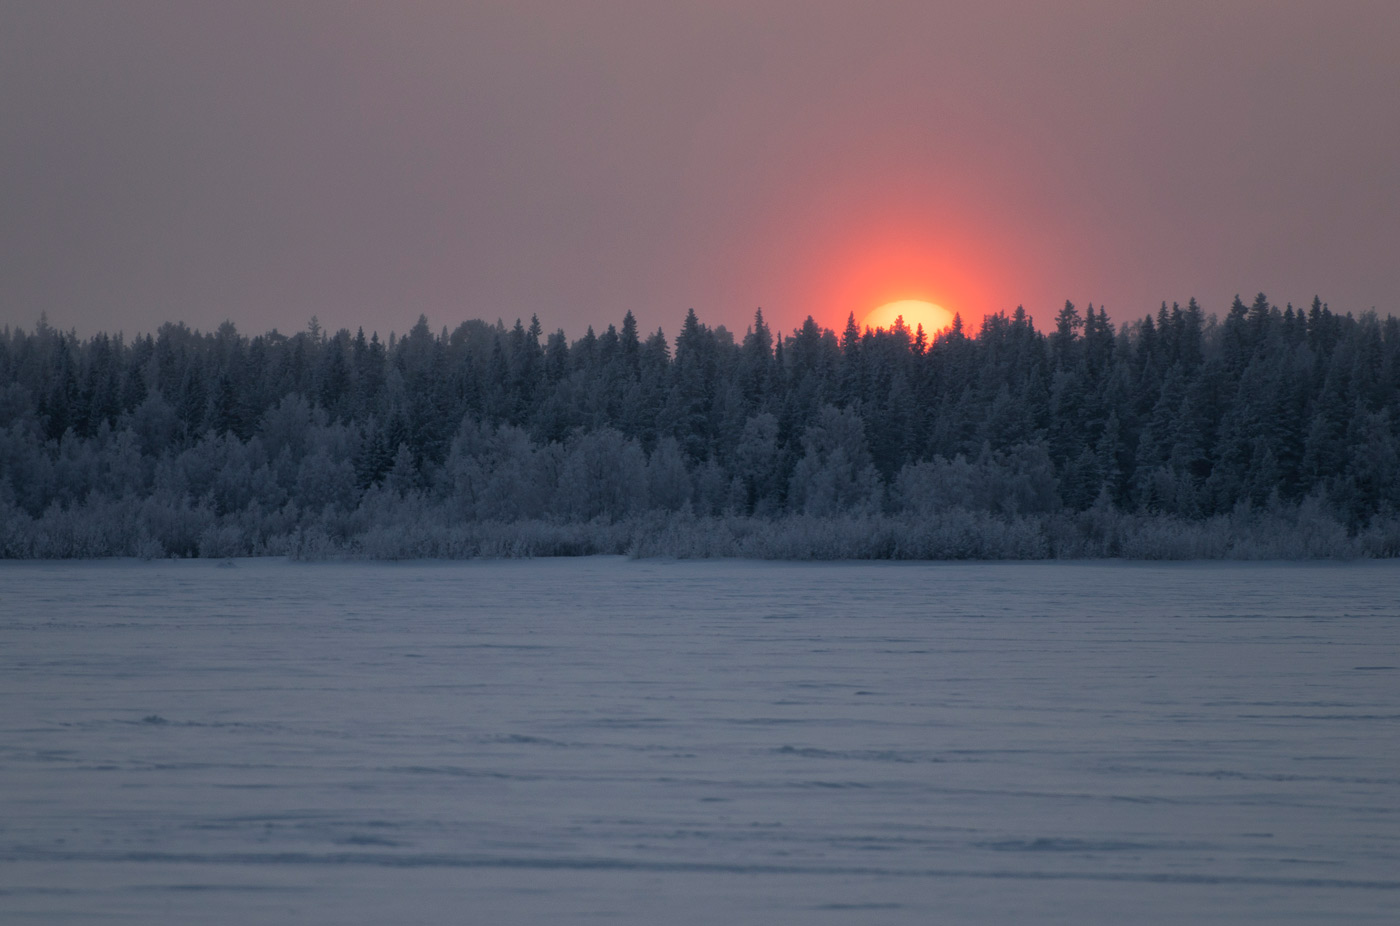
(882, 269)
(915, 312)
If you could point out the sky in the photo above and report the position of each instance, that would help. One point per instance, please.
(264, 162)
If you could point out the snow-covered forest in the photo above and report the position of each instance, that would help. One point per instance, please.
(1270, 433)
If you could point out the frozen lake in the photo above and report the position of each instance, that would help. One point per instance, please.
(602, 740)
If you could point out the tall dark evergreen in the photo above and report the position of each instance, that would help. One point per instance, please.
(170, 437)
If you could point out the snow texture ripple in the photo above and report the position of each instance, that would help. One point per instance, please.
(606, 740)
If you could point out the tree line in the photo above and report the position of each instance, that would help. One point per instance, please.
(1083, 439)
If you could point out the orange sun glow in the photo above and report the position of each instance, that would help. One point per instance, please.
(915, 312)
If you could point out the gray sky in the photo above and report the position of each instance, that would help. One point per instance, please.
(263, 162)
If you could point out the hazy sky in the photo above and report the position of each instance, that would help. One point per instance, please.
(263, 162)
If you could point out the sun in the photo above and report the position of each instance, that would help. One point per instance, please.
(915, 312)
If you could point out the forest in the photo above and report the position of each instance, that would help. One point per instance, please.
(1267, 433)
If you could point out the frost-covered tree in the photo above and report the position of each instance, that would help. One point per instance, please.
(181, 442)
(603, 476)
(835, 473)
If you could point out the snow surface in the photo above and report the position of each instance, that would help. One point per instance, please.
(604, 740)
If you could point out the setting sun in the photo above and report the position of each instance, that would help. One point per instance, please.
(915, 312)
